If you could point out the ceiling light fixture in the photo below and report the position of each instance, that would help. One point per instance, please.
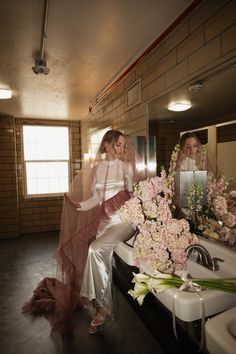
(5, 94)
(179, 106)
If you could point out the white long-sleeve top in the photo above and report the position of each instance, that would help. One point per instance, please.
(111, 178)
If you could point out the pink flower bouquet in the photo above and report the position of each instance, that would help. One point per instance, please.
(162, 239)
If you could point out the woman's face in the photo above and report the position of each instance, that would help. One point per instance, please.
(191, 147)
(116, 150)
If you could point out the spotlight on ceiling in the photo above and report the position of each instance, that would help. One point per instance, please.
(5, 94)
(196, 87)
(179, 106)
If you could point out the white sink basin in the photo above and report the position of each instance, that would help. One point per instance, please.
(125, 252)
(221, 333)
(187, 304)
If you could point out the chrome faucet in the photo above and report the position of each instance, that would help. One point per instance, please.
(204, 257)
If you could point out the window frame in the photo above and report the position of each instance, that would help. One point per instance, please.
(24, 162)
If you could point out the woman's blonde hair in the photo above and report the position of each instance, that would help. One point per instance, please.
(111, 137)
(186, 136)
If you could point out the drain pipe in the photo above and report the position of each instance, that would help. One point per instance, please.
(40, 66)
(44, 32)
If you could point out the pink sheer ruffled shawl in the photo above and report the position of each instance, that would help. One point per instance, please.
(58, 298)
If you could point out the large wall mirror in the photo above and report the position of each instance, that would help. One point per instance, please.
(212, 115)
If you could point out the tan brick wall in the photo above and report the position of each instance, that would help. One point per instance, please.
(229, 40)
(205, 55)
(221, 21)
(204, 40)
(9, 220)
(20, 215)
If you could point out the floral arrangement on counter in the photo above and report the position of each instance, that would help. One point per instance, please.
(162, 239)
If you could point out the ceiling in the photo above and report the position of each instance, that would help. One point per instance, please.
(89, 44)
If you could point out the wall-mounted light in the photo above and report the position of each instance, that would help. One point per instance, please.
(179, 106)
(5, 94)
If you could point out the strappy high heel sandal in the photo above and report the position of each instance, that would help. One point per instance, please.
(98, 321)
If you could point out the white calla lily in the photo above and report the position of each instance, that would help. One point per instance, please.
(139, 292)
(158, 285)
(162, 275)
(140, 277)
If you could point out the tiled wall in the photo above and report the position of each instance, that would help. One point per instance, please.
(205, 39)
(20, 215)
(8, 179)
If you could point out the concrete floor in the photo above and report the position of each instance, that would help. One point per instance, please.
(23, 263)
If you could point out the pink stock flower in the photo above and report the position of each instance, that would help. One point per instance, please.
(222, 204)
(162, 239)
(131, 212)
(233, 194)
(229, 219)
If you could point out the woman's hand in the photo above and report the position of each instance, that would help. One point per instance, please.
(76, 204)
(78, 207)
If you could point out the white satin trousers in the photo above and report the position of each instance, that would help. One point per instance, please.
(97, 278)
